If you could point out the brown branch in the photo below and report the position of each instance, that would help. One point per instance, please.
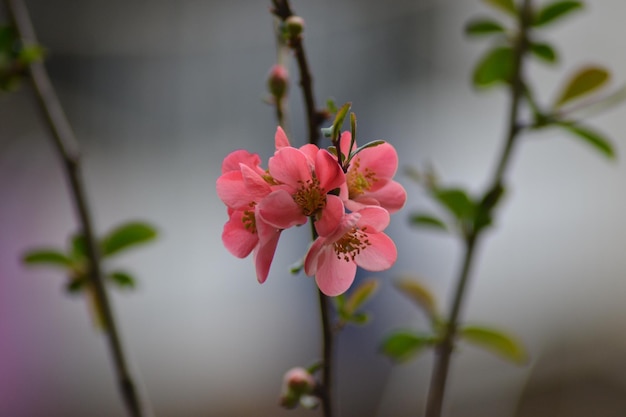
(65, 143)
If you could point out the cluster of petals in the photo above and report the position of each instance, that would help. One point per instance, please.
(349, 207)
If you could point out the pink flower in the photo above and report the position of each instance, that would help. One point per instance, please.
(241, 189)
(304, 180)
(357, 241)
(370, 177)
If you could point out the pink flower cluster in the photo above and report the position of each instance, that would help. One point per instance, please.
(349, 207)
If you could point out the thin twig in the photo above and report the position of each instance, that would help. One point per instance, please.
(315, 118)
(67, 147)
(446, 346)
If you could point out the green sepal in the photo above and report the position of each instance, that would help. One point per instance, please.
(50, 257)
(402, 346)
(483, 26)
(495, 66)
(583, 82)
(496, 341)
(591, 137)
(554, 11)
(125, 236)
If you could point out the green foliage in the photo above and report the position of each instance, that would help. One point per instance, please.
(582, 83)
(122, 279)
(496, 66)
(507, 6)
(405, 345)
(591, 137)
(15, 58)
(555, 11)
(496, 341)
(348, 306)
(545, 52)
(428, 220)
(420, 295)
(483, 26)
(456, 201)
(50, 257)
(125, 236)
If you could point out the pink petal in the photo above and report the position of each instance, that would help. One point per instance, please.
(375, 218)
(328, 171)
(264, 254)
(256, 186)
(313, 256)
(381, 159)
(334, 276)
(280, 138)
(392, 196)
(344, 143)
(241, 156)
(310, 151)
(236, 238)
(347, 223)
(279, 210)
(381, 255)
(232, 190)
(331, 216)
(290, 166)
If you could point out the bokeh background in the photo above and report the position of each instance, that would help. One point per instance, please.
(160, 91)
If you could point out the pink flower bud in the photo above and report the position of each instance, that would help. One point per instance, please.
(294, 26)
(278, 81)
(297, 383)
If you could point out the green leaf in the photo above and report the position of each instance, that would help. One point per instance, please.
(483, 27)
(360, 295)
(456, 201)
(505, 5)
(554, 11)
(427, 220)
(496, 341)
(583, 82)
(544, 52)
(76, 285)
(331, 106)
(339, 118)
(122, 279)
(404, 345)
(359, 318)
(296, 267)
(79, 247)
(50, 257)
(593, 138)
(30, 54)
(420, 295)
(494, 67)
(127, 235)
(484, 210)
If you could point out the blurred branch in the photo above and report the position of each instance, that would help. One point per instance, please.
(65, 143)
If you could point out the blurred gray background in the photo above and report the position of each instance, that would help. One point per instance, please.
(160, 91)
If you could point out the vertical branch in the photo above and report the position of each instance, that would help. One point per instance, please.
(445, 348)
(315, 118)
(65, 143)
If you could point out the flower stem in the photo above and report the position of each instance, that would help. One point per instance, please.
(66, 145)
(444, 349)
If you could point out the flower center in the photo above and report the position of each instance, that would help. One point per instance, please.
(359, 182)
(351, 244)
(248, 219)
(310, 197)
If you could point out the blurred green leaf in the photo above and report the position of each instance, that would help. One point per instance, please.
(76, 285)
(419, 294)
(296, 267)
(583, 82)
(505, 5)
(122, 279)
(496, 341)
(551, 12)
(331, 106)
(404, 345)
(339, 118)
(484, 209)
(7, 38)
(360, 295)
(427, 220)
(495, 66)
(544, 52)
(593, 138)
(359, 318)
(125, 236)
(456, 201)
(30, 54)
(483, 27)
(50, 257)
(79, 247)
